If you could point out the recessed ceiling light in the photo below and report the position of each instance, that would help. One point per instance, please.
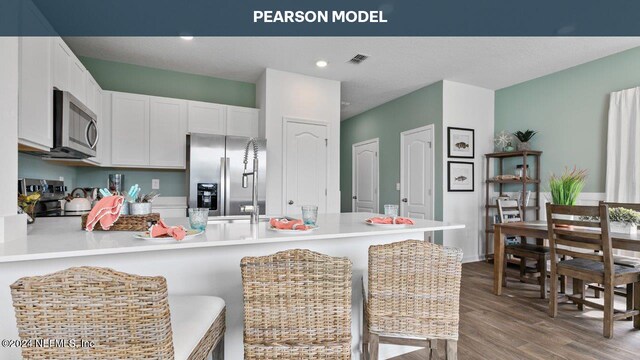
(321, 63)
(186, 37)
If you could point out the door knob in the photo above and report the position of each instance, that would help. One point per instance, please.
(354, 197)
(290, 202)
(404, 200)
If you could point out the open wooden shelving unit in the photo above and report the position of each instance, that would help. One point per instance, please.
(525, 180)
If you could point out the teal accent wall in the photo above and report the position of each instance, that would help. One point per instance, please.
(116, 76)
(32, 166)
(569, 109)
(172, 182)
(123, 77)
(386, 122)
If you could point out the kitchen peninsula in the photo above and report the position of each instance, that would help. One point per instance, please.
(207, 265)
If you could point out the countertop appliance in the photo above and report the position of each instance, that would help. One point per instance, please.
(51, 191)
(75, 128)
(215, 168)
(78, 202)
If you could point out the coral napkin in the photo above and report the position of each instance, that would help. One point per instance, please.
(389, 220)
(286, 224)
(161, 229)
(106, 211)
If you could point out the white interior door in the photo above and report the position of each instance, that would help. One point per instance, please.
(416, 173)
(365, 176)
(305, 178)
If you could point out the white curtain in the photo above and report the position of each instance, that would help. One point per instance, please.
(623, 150)
(623, 147)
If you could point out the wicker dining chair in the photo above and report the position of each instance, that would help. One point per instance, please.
(297, 305)
(412, 297)
(113, 315)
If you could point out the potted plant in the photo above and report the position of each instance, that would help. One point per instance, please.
(524, 137)
(623, 220)
(566, 188)
(28, 204)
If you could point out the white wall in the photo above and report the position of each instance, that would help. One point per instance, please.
(283, 94)
(471, 107)
(11, 225)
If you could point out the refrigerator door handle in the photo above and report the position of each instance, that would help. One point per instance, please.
(227, 187)
(223, 186)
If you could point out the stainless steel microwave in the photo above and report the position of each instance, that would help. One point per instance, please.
(75, 128)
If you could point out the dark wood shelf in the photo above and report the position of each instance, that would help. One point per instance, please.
(528, 157)
(528, 181)
(508, 154)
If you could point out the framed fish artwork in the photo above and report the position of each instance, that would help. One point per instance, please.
(461, 143)
(460, 176)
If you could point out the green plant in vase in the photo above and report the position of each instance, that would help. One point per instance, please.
(566, 188)
(524, 137)
(28, 204)
(624, 220)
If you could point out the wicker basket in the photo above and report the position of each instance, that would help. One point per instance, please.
(128, 222)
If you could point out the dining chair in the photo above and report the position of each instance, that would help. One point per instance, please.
(573, 233)
(620, 259)
(412, 297)
(297, 305)
(511, 211)
(114, 315)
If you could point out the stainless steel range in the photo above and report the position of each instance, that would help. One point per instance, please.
(52, 191)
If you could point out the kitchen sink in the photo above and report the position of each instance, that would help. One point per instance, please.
(234, 219)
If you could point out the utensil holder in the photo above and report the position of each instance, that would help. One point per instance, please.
(139, 208)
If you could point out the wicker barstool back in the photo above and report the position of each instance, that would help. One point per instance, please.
(129, 314)
(414, 290)
(297, 305)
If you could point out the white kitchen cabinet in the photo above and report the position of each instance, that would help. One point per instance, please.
(167, 132)
(68, 72)
(92, 97)
(77, 79)
(129, 129)
(242, 121)
(61, 58)
(35, 114)
(207, 118)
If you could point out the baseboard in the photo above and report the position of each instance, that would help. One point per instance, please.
(473, 258)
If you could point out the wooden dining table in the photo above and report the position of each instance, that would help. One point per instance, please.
(538, 230)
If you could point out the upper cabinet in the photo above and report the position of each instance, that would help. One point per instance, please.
(129, 130)
(167, 132)
(207, 118)
(61, 59)
(147, 131)
(93, 94)
(35, 125)
(242, 121)
(68, 72)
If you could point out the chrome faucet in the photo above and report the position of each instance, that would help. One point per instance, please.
(253, 208)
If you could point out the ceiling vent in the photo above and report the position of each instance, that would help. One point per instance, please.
(358, 59)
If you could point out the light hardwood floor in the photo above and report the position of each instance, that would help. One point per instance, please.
(516, 325)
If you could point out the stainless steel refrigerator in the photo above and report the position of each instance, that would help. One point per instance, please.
(214, 173)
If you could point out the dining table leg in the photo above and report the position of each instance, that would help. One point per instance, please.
(498, 260)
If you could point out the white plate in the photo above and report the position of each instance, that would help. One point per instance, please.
(190, 235)
(312, 228)
(387, 225)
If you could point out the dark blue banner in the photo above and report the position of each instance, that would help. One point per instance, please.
(320, 17)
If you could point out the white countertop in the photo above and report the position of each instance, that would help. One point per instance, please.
(50, 238)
